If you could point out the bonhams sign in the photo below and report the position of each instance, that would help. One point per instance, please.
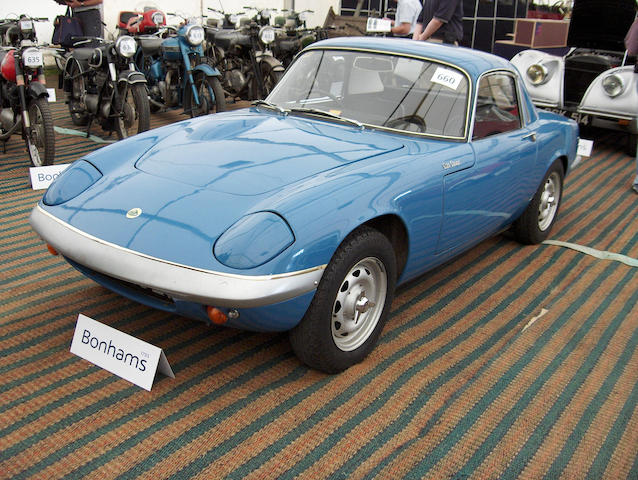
(119, 353)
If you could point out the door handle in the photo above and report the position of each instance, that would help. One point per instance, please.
(531, 136)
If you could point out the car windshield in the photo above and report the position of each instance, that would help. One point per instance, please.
(391, 91)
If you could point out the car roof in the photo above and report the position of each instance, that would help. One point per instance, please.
(474, 62)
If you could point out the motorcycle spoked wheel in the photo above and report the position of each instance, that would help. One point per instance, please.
(40, 140)
(207, 104)
(79, 116)
(270, 78)
(136, 113)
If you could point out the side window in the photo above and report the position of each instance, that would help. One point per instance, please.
(497, 109)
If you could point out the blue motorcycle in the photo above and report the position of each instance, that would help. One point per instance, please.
(177, 71)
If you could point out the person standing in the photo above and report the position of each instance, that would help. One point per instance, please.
(440, 21)
(89, 13)
(406, 17)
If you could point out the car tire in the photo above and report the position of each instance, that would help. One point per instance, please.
(534, 225)
(351, 304)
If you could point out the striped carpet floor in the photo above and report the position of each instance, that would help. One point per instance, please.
(458, 387)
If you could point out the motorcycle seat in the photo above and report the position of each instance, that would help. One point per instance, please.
(150, 45)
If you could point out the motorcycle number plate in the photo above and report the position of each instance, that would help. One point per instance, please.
(32, 58)
(26, 25)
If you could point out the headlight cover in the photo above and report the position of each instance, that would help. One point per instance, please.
(194, 34)
(126, 46)
(73, 181)
(537, 74)
(613, 85)
(267, 35)
(253, 240)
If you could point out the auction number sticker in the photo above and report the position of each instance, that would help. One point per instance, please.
(447, 77)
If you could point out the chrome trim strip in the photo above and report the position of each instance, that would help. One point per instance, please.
(179, 281)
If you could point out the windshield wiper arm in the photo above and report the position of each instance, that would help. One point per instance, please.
(323, 113)
(281, 110)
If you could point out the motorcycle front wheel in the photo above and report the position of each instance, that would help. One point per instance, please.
(135, 113)
(207, 103)
(40, 139)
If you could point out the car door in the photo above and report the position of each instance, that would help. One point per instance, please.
(481, 200)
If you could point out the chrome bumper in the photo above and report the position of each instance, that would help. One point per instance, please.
(178, 281)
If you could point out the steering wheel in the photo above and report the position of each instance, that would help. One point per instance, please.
(402, 123)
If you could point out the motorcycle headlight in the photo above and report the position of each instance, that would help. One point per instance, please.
(32, 58)
(158, 18)
(267, 35)
(126, 46)
(537, 74)
(26, 26)
(266, 13)
(303, 16)
(194, 35)
(613, 85)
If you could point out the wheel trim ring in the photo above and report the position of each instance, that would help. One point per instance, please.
(548, 205)
(374, 284)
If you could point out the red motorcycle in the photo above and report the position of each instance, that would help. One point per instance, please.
(24, 105)
(141, 23)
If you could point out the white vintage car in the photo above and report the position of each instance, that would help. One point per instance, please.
(596, 83)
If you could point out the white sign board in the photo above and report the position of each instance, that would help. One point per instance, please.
(120, 353)
(42, 177)
(378, 25)
(584, 147)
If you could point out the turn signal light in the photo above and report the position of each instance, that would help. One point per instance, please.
(216, 315)
(52, 250)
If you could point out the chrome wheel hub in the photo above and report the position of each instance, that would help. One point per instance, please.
(359, 304)
(548, 205)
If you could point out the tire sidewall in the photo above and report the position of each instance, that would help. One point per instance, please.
(312, 338)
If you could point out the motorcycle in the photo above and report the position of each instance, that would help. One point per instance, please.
(24, 105)
(178, 73)
(103, 84)
(248, 67)
(140, 23)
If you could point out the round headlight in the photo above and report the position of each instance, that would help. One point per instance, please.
(303, 16)
(195, 35)
(613, 85)
(158, 18)
(267, 35)
(266, 13)
(537, 74)
(32, 57)
(126, 46)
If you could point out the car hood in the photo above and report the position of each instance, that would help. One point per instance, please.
(253, 153)
(600, 24)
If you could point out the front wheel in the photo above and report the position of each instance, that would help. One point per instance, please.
(351, 304)
(210, 94)
(539, 216)
(135, 115)
(269, 76)
(40, 139)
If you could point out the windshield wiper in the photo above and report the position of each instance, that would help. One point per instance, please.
(264, 103)
(323, 113)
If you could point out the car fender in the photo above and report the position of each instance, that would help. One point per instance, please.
(207, 70)
(131, 77)
(549, 94)
(623, 107)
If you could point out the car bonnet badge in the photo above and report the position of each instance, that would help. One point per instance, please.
(134, 213)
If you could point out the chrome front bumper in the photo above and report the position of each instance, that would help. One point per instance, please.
(181, 282)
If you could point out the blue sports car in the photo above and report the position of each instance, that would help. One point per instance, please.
(371, 162)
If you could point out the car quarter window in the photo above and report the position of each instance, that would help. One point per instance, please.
(497, 106)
